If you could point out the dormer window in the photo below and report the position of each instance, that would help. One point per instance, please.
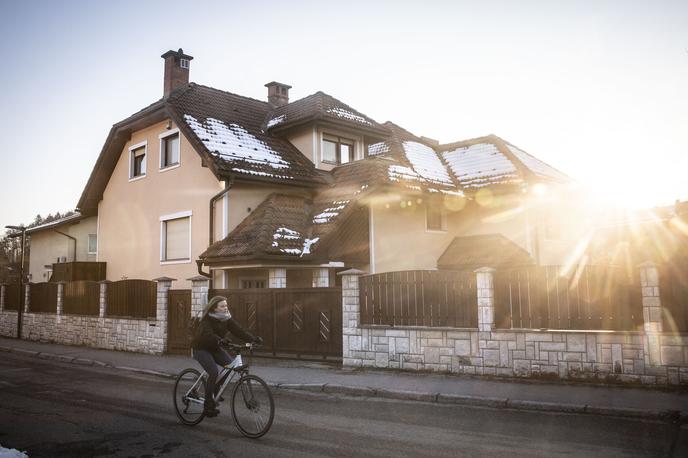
(337, 150)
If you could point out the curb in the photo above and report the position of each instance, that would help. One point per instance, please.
(438, 398)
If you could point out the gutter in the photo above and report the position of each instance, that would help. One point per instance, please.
(73, 239)
(211, 222)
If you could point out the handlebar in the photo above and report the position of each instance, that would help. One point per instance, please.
(238, 347)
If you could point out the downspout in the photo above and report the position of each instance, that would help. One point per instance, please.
(69, 236)
(211, 222)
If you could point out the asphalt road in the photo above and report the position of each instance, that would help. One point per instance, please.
(56, 409)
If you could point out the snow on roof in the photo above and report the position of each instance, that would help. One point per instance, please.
(289, 234)
(346, 114)
(233, 142)
(277, 120)
(480, 164)
(537, 166)
(426, 163)
(378, 148)
(401, 172)
(331, 212)
(284, 233)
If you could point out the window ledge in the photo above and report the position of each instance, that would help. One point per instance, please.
(436, 231)
(178, 261)
(137, 178)
(170, 167)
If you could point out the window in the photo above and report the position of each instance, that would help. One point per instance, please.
(175, 238)
(137, 161)
(92, 243)
(184, 63)
(434, 218)
(337, 150)
(169, 149)
(248, 283)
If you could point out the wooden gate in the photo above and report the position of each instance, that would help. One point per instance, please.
(295, 322)
(178, 317)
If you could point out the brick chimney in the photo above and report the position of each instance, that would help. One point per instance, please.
(278, 94)
(176, 70)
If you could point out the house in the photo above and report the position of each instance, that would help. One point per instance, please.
(72, 239)
(282, 193)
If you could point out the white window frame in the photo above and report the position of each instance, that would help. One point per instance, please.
(358, 141)
(132, 148)
(165, 218)
(88, 247)
(161, 137)
(184, 63)
(443, 221)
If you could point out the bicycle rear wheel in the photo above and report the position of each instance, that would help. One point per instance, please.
(253, 407)
(189, 395)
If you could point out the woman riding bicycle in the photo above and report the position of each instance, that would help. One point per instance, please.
(214, 325)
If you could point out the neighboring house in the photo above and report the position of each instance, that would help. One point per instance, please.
(270, 194)
(66, 240)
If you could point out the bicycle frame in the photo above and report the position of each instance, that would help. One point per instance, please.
(229, 368)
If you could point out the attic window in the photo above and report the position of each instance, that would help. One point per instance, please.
(137, 161)
(184, 63)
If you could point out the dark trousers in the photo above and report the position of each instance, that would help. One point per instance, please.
(209, 360)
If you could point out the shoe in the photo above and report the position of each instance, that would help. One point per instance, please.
(211, 412)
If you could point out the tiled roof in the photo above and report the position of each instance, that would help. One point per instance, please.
(319, 106)
(490, 250)
(490, 160)
(278, 228)
(229, 128)
(56, 223)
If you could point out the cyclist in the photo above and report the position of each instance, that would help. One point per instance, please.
(214, 325)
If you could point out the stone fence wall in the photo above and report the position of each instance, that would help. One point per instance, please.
(650, 357)
(128, 334)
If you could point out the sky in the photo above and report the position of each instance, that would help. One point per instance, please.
(597, 89)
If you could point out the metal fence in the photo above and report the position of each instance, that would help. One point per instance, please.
(673, 290)
(590, 298)
(81, 298)
(419, 298)
(132, 298)
(43, 298)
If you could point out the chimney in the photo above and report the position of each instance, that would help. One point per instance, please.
(176, 70)
(278, 94)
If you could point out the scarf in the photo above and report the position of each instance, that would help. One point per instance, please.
(220, 316)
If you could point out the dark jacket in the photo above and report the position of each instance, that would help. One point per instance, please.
(211, 330)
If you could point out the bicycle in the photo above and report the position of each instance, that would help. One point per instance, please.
(251, 401)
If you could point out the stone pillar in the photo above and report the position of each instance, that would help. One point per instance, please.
(103, 298)
(352, 334)
(652, 312)
(60, 298)
(2, 298)
(321, 277)
(164, 285)
(277, 278)
(485, 287)
(199, 294)
(27, 297)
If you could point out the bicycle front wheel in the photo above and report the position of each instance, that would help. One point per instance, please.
(253, 407)
(189, 395)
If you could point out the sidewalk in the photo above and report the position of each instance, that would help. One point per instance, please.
(446, 389)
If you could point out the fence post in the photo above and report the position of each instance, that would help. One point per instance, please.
(164, 285)
(277, 278)
(321, 277)
(2, 297)
(27, 297)
(652, 311)
(60, 298)
(103, 298)
(199, 293)
(352, 334)
(485, 290)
